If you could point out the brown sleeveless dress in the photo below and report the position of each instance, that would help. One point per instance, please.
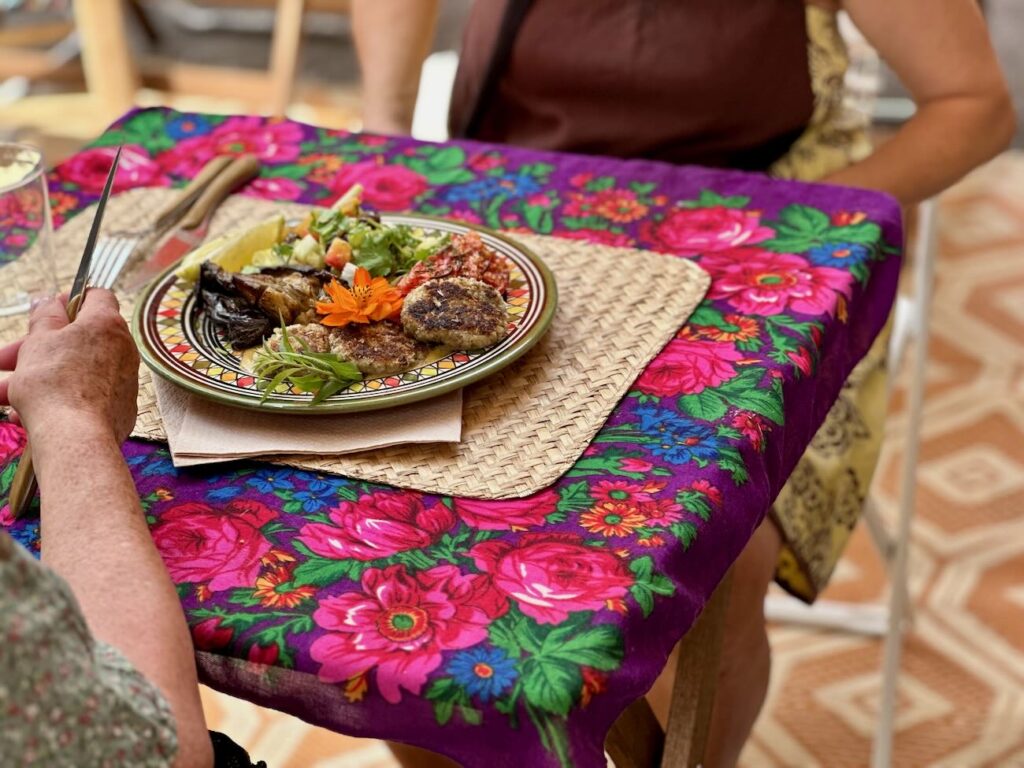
(685, 81)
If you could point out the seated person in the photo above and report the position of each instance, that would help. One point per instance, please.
(96, 662)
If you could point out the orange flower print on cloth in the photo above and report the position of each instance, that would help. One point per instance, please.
(613, 518)
(369, 300)
(274, 589)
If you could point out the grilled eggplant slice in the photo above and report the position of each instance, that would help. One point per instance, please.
(247, 308)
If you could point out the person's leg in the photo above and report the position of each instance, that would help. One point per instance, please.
(743, 671)
(414, 757)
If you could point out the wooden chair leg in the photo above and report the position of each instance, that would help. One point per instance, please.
(110, 72)
(637, 740)
(284, 54)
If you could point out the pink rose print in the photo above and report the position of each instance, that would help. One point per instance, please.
(377, 525)
(692, 231)
(504, 515)
(89, 169)
(277, 189)
(758, 282)
(217, 549)
(385, 187)
(12, 440)
(273, 142)
(550, 575)
(688, 366)
(401, 623)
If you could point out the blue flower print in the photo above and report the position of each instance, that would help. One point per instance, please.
(483, 672)
(841, 255)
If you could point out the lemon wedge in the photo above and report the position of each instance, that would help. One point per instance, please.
(234, 250)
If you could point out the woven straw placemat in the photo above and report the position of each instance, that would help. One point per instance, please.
(523, 427)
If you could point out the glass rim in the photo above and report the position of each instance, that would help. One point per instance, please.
(37, 170)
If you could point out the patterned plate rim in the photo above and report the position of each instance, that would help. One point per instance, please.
(386, 399)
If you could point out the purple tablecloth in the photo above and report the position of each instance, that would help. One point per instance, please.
(509, 633)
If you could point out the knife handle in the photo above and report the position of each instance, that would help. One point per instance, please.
(242, 170)
(177, 208)
(23, 484)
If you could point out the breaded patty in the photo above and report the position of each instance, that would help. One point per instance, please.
(377, 349)
(311, 337)
(457, 311)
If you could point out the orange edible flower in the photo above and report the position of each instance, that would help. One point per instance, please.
(368, 300)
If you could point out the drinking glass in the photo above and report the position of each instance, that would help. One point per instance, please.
(27, 270)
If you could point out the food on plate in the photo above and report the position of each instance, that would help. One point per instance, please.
(247, 307)
(378, 349)
(464, 256)
(338, 295)
(459, 312)
(233, 251)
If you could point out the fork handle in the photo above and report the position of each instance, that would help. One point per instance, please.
(23, 484)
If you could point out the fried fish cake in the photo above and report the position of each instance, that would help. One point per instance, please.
(456, 311)
(377, 349)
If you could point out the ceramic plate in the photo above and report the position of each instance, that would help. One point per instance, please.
(180, 343)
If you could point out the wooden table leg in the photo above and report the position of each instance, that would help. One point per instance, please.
(693, 693)
(636, 740)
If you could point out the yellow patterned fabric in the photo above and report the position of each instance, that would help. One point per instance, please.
(820, 504)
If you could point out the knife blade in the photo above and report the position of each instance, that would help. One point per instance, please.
(23, 485)
(192, 229)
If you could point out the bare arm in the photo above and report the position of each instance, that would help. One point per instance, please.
(392, 38)
(941, 51)
(74, 388)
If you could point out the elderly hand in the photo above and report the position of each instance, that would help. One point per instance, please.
(80, 375)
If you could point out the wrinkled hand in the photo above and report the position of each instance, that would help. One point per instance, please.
(83, 373)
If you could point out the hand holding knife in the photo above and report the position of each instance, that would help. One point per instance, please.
(23, 486)
(192, 211)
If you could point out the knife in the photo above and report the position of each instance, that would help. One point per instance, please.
(24, 486)
(194, 225)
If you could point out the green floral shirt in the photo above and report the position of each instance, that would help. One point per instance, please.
(65, 698)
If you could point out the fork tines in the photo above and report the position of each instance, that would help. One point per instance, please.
(111, 255)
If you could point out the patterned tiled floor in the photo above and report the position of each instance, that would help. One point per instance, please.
(962, 688)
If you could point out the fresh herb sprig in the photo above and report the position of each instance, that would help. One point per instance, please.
(320, 373)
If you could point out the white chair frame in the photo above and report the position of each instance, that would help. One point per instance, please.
(910, 323)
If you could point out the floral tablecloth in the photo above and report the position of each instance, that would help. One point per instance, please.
(508, 633)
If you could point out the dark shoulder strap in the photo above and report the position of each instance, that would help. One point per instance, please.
(515, 13)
